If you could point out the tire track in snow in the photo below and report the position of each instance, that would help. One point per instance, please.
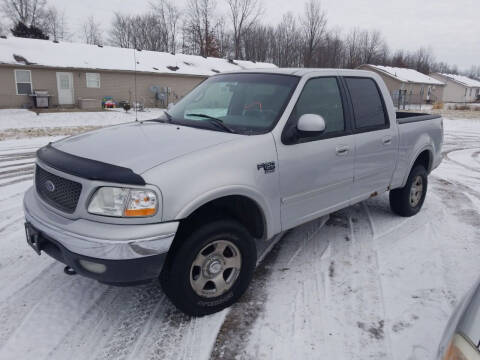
(14, 168)
(16, 307)
(15, 164)
(16, 181)
(448, 156)
(122, 339)
(179, 336)
(356, 278)
(264, 323)
(56, 313)
(83, 331)
(235, 330)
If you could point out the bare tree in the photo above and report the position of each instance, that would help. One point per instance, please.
(92, 33)
(243, 14)
(474, 72)
(170, 15)
(198, 27)
(353, 53)
(314, 23)
(223, 38)
(121, 34)
(287, 50)
(28, 12)
(331, 52)
(422, 60)
(257, 42)
(147, 32)
(55, 24)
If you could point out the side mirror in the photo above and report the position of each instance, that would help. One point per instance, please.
(170, 105)
(311, 123)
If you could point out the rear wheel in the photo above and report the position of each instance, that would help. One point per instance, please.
(211, 268)
(408, 201)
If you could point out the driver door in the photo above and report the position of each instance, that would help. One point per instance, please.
(316, 169)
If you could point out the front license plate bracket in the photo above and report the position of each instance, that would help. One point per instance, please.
(33, 237)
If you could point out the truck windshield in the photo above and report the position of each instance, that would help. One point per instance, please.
(245, 103)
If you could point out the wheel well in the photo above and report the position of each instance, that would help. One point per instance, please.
(241, 208)
(423, 159)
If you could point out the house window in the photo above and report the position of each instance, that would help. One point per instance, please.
(93, 80)
(23, 81)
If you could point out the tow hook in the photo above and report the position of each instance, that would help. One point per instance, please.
(69, 271)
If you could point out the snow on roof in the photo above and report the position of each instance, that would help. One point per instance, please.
(407, 75)
(463, 80)
(21, 51)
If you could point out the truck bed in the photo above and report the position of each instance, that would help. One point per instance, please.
(408, 117)
(414, 132)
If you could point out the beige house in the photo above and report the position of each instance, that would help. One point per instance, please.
(76, 74)
(69, 86)
(459, 88)
(408, 86)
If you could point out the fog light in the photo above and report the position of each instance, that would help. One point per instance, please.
(93, 267)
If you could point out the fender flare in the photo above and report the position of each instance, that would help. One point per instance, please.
(414, 158)
(234, 190)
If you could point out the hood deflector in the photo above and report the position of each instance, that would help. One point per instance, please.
(87, 168)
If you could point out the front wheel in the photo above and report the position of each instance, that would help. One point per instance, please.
(211, 268)
(408, 201)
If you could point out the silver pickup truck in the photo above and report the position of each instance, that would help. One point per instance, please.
(195, 197)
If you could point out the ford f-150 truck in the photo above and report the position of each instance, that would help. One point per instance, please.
(195, 197)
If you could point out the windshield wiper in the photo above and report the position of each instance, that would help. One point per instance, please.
(169, 118)
(216, 121)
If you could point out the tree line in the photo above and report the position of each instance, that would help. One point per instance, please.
(298, 40)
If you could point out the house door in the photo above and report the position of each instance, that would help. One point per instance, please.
(65, 88)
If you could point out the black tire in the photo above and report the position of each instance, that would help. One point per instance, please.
(176, 277)
(400, 199)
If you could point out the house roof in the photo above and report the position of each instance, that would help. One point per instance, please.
(406, 75)
(23, 52)
(462, 80)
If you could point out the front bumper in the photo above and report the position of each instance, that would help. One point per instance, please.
(131, 252)
(114, 272)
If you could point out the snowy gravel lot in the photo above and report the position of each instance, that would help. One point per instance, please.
(360, 284)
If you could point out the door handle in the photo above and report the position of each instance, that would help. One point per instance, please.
(387, 140)
(342, 150)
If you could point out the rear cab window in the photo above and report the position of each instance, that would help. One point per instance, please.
(368, 105)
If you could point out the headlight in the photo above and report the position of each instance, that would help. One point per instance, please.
(112, 201)
(461, 349)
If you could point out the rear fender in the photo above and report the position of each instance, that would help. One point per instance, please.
(414, 158)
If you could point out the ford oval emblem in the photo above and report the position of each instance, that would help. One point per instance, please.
(50, 186)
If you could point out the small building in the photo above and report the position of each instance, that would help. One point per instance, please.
(408, 86)
(73, 74)
(459, 88)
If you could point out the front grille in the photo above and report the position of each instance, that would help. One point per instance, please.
(59, 192)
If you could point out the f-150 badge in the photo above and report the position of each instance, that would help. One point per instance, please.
(268, 167)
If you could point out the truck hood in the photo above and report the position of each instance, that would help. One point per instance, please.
(140, 146)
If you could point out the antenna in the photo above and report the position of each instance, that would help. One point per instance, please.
(135, 80)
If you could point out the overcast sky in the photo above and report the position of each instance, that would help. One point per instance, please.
(450, 27)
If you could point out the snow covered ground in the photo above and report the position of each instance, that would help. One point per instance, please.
(360, 284)
(21, 119)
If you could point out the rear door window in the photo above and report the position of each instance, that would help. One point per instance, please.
(368, 106)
